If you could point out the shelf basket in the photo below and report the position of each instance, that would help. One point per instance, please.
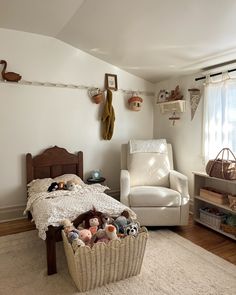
(211, 219)
(228, 228)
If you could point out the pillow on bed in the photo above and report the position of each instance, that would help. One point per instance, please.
(39, 185)
(68, 177)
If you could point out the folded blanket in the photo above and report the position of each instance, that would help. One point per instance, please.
(148, 146)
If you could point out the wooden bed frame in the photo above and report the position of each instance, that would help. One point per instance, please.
(53, 162)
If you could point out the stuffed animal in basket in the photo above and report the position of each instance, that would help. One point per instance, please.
(105, 235)
(71, 232)
(85, 218)
(132, 229)
(120, 223)
(85, 235)
(105, 220)
(110, 231)
(94, 223)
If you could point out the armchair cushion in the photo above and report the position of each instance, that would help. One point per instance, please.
(153, 196)
(148, 169)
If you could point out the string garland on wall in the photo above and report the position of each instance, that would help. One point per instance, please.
(73, 86)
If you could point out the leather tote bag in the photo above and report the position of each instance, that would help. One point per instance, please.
(222, 167)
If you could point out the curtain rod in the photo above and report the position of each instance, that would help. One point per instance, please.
(213, 75)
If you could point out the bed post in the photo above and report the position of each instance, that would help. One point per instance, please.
(51, 251)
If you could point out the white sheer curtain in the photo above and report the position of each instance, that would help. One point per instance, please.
(219, 125)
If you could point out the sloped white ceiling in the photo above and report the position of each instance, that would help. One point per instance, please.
(153, 39)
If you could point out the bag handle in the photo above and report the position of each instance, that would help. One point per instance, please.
(222, 158)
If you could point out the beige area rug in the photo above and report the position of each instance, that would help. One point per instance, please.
(172, 265)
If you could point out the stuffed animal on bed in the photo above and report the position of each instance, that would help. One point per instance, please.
(53, 187)
(70, 185)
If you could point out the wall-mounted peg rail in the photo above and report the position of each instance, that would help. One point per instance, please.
(73, 86)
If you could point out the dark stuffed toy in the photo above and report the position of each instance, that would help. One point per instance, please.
(87, 216)
(53, 187)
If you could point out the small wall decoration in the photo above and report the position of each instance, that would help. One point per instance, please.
(111, 82)
(174, 117)
(175, 94)
(135, 103)
(96, 95)
(9, 76)
(195, 96)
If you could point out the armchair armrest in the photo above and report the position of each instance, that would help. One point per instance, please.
(124, 187)
(179, 182)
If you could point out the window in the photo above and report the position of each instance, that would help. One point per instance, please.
(219, 128)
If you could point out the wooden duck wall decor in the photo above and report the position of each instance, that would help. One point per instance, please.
(9, 76)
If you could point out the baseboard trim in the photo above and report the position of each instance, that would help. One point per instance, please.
(191, 206)
(11, 213)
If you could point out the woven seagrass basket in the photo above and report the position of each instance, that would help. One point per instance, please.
(105, 263)
(228, 228)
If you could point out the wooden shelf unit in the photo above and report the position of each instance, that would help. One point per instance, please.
(202, 180)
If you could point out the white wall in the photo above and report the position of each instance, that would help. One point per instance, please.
(33, 118)
(185, 135)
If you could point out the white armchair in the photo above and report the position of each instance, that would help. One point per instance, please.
(152, 189)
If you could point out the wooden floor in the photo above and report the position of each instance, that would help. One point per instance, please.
(196, 233)
(208, 239)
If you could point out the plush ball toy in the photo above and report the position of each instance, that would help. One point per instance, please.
(53, 187)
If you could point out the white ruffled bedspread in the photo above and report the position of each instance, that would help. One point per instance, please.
(51, 208)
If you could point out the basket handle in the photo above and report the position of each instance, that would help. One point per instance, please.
(222, 158)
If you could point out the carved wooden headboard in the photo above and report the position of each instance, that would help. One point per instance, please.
(53, 162)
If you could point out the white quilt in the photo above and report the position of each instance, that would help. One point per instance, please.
(51, 208)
